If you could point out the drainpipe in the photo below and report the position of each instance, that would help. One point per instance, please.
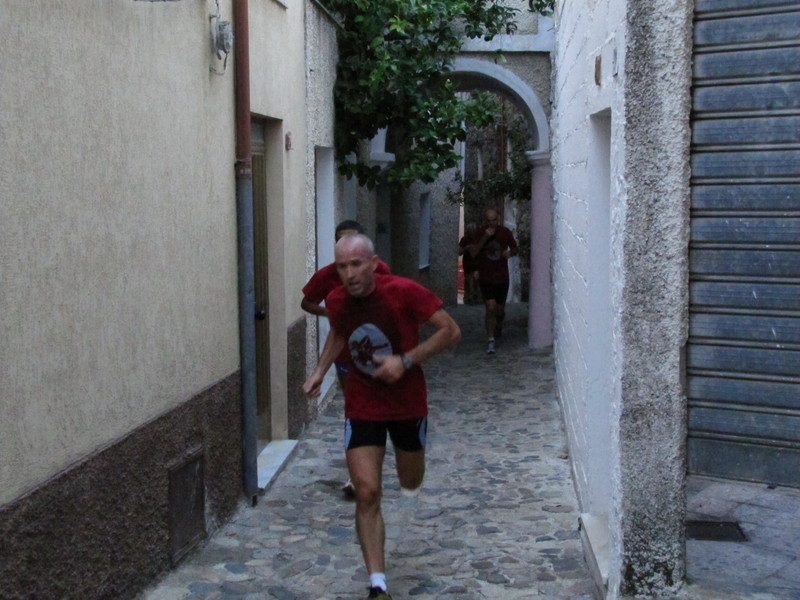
(244, 212)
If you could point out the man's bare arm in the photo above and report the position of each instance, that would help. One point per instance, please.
(313, 308)
(333, 345)
(447, 334)
(475, 249)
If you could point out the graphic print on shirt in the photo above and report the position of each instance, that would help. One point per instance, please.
(365, 343)
(493, 249)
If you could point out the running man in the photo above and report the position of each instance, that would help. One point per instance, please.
(377, 318)
(322, 283)
(492, 247)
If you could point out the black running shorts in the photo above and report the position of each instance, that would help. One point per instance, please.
(494, 291)
(408, 435)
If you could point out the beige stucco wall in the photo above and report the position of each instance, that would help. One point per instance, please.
(117, 225)
(277, 92)
(277, 80)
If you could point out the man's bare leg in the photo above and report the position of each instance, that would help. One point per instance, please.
(366, 465)
(499, 317)
(491, 318)
(410, 467)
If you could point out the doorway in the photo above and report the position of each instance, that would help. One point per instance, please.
(324, 176)
(260, 130)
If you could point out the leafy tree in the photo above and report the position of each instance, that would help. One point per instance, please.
(510, 181)
(544, 7)
(393, 55)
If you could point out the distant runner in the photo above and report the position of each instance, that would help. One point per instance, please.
(492, 246)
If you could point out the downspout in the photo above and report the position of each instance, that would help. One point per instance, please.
(244, 214)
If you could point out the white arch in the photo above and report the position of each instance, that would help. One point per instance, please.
(483, 74)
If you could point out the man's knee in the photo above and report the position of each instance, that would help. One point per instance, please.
(411, 481)
(367, 495)
(410, 468)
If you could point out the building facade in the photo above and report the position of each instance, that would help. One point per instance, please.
(675, 177)
(123, 428)
(620, 262)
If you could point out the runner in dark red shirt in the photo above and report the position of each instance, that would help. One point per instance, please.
(492, 247)
(324, 281)
(377, 318)
(314, 293)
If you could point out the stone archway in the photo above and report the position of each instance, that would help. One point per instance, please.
(473, 73)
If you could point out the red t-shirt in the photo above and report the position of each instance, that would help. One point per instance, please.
(383, 323)
(490, 263)
(327, 279)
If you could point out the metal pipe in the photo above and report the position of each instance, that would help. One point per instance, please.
(244, 212)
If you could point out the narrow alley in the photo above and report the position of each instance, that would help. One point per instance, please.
(496, 516)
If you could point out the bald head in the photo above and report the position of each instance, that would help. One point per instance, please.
(356, 241)
(356, 262)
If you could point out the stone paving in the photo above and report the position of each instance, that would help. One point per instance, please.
(767, 565)
(496, 517)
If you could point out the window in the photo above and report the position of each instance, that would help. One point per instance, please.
(424, 230)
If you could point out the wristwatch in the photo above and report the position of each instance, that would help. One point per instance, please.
(407, 362)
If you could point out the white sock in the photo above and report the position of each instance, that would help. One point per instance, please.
(491, 339)
(409, 493)
(378, 580)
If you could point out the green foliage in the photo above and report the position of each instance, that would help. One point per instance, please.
(500, 186)
(393, 55)
(512, 183)
(543, 7)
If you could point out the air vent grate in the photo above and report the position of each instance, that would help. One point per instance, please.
(187, 524)
(715, 531)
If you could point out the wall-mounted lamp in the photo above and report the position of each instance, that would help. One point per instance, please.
(221, 39)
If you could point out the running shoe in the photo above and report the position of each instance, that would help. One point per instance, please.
(349, 489)
(490, 347)
(376, 593)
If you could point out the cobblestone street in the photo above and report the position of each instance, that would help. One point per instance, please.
(496, 517)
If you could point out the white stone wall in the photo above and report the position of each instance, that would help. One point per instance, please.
(620, 178)
(118, 225)
(586, 31)
(441, 275)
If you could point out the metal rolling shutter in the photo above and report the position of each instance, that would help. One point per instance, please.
(743, 357)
